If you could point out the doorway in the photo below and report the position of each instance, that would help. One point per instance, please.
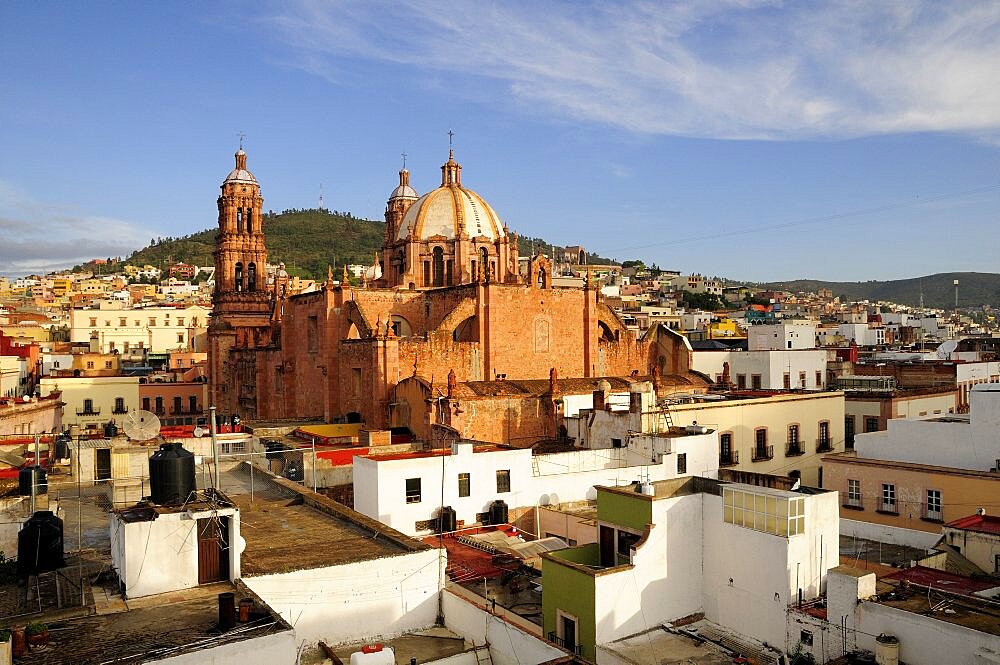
(103, 464)
(213, 550)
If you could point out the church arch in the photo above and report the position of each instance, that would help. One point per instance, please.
(606, 334)
(251, 276)
(239, 276)
(357, 326)
(467, 330)
(400, 326)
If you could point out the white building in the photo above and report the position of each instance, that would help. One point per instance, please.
(862, 334)
(804, 369)
(789, 335)
(156, 329)
(93, 401)
(738, 554)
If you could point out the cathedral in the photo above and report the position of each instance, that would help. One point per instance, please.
(450, 315)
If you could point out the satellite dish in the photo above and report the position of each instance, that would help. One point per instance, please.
(141, 425)
(199, 432)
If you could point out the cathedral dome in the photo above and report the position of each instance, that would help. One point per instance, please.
(450, 211)
(240, 173)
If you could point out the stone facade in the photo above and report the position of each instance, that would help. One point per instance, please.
(340, 352)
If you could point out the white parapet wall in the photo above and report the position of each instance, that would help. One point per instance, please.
(892, 535)
(379, 598)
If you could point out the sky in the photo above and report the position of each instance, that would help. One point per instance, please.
(753, 140)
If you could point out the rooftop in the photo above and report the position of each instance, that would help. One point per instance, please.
(185, 621)
(698, 643)
(291, 531)
(424, 645)
(943, 604)
(981, 523)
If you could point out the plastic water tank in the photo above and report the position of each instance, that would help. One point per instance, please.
(40, 544)
(498, 512)
(110, 430)
(375, 654)
(886, 650)
(31, 475)
(171, 474)
(447, 520)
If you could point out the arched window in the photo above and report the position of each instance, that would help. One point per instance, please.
(484, 260)
(239, 220)
(249, 220)
(541, 278)
(251, 277)
(239, 276)
(438, 256)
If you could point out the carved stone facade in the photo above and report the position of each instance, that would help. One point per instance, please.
(242, 302)
(450, 309)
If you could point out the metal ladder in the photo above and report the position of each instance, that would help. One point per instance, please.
(488, 660)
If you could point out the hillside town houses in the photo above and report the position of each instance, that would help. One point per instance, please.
(480, 450)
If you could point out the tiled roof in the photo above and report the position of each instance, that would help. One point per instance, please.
(982, 523)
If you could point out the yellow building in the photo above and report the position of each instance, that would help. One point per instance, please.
(724, 327)
(61, 286)
(785, 434)
(92, 401)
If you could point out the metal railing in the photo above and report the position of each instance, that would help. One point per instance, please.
(824, 445)
(929, 513)
(88, 412)
(853, 502)
(731, 458)
(761, 453)
(575, 648)
(793, 448)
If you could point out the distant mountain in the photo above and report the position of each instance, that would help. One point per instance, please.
(974, 289)
(306, 240)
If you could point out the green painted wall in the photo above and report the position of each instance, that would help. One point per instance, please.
(634, 512)
(572, 591)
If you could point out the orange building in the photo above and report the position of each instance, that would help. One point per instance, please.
(175, 402)
(449, 302)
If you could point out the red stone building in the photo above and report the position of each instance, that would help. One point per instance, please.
(450, 302)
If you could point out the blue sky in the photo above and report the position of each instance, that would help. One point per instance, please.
(755, 140)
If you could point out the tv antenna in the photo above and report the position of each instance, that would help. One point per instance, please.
(321, 206)
(141, 425)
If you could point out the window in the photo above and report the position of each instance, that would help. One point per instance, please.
(178, 403)
(145, 404)
(119, 405)
(806, 637)
(761, 451)
(464, 484)
(793, 440)
(193, 403)
(152, 321)
(438, 256)
(741, 381)
(786, 381)
(616, 443)
(933, 511)
(180, 338)
(626, 541)
(682, 463)
(108, 364)
(871, 424)
(888, 498)
(251, 276)
(412, 490)
(93, 322)
(122, 322)
(90, 364)
(180, 321)
(853, 493)
(755, 381)
(88, 406)
(849, 432)
(503, 480)
(726, 449)
(776, 515)
(819, 380)
(824, 442)
(159, 406)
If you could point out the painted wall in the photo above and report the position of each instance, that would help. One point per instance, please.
(102, 390)
(380, 598)
(979, 547)
(770, 365)
(277, 648)
(162, 555)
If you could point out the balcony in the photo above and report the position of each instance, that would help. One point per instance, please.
(729, 458)
(575, 648)
(824, 445)
(187, 412)
(931, 513)
(120, 411)
(88, 412)
(853, 503)
(794, 448)
(888, 508)
(763, 453)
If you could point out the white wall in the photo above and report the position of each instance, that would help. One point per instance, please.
(272, 649)
(884, 533)
(380, 598)
(380, 485)
(162, 555)
(781, 336)
(770, 365)
(509, 645)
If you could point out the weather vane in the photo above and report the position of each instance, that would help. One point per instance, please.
(451, 135)
(404, 160)
(242, 136)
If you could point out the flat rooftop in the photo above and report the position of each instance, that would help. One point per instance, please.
(424, 645)
(700, 643)
(287, 528)
(152, 628)
(943, 605)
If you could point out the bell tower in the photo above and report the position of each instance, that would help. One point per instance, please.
(393, 260)
(241, 302)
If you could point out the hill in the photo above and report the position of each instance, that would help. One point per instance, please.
(306, 240)
(975, 289)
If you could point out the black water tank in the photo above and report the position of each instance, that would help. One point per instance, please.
(110, 430)
(40, 544)
(171, 474)
(498, 512)
(447, 520)
(62, 446)
(294, 470)
(29, 475)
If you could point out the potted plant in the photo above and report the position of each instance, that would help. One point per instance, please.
(37, 634)
(6, 652)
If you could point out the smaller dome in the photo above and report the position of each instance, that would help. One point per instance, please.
(240, 173)
(404, 192)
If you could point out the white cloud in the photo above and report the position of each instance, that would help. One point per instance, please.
(720, 69)
(37, 237)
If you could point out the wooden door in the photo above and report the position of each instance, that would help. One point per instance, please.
(103, 464)
(213, 550)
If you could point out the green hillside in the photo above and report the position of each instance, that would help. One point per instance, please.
(975, 289)
(306, 240)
